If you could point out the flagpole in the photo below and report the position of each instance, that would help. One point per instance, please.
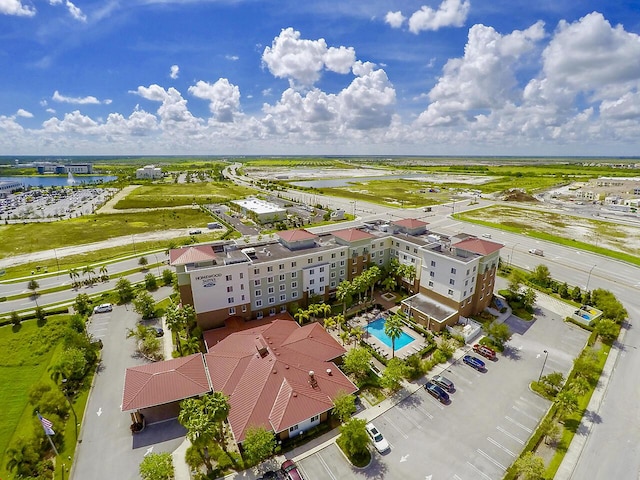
(52, 445)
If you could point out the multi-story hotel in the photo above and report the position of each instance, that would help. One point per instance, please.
(454, 276)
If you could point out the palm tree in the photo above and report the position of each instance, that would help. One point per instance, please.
(175, 323)
(373, 275)
(329, 323)
(22, 457)
(104, 273)
(343, 294)
(73, 275)
(324, 309)
(393, 330)
(191, 346)
(344, 336)
(34, 286)
(301, 315)
(89, 271)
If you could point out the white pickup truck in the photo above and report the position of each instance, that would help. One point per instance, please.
(536, 251)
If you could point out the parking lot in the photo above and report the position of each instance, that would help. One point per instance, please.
(489, 419)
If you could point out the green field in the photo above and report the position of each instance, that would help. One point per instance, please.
(173, 195)
(33, 237)
(27, 354)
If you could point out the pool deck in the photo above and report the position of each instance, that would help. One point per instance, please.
(412, 347)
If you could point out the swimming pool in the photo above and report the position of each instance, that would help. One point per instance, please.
(376, 328)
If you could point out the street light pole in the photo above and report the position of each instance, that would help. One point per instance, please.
(589, 278)
(546, 354)
(511, 257)
(75, 417)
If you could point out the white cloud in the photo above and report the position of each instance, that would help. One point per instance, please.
(72, 8)
(24, 113)
(139, 124)
(450, 13)
(302, 61)
(483, 78)
(88, 100)
(233, 58)
(394, 19)
(224, 98)
(175, 71)
(73, 122)
(16, 7)
(173, 112)
(50, 110)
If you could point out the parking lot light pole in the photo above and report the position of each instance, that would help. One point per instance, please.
(546, 354)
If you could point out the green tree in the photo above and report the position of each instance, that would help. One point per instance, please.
(124, 289)
(576, 294)
(147, 342)
(143, 262)
(191, 345)
(344, 292)
(607, 302)
(150, 282)
(15, 318)
(204, 420)
(258, 444)
(344, 336)
(89, 271)
(33, 285)
(550, 430)
(176, 322)
(74, 276)
(22, 457)
(529, 467)
(529, 298)
(567, 403)
(144, 305)
(515, 282)
(354, 437)
(302, 316)
(393, 329)
(330, 323)
(82, 304)
(373, 274)
(157, 466)
(356, 362)
(563, 290)
(586, 365)
(541, 275)
(40, 315)
(553, 382)
(167, 276)
(104, 273)
(344, 405)
(499, 332)
(393, 374)
(579, 386)
(607, 329)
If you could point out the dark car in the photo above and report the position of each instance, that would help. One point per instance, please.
(158, 331)
(290, 468)
(474, 362)
(437, 392)
(444, 382)
(272, 475)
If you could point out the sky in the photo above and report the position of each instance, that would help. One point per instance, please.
(319, 77)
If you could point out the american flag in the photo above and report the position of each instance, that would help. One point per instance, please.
(47, 425)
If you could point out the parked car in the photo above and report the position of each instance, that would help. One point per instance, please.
(444, 382)
(485, 351)
(378, 440)
(474, 362)
(272, 475)
(105, 307)
(536, 251)
(291, 471)
(486, 235)
(158, 331)
(437, 392)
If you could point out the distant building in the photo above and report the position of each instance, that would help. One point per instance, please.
(9, 187)
(77, 168)
(149, 172)
(260, 210)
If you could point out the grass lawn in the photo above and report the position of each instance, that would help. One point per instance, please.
(28, 353)
(176, 194)
(33, 237)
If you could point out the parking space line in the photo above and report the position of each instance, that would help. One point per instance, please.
(519, 410)
(478, 471)
(427, 414)
(510, 435)
(461, 376)
(526, 429)
(401, 412)
(532, 404)
(399, 431)
(456, 477)
(491, 459)
(326, 467)
(501, 447)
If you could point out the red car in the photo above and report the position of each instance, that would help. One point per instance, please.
(291, 470)
(484, 351)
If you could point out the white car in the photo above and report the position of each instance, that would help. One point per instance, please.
(378, 440)
(105, 307)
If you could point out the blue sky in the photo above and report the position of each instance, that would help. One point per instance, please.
(235, 77)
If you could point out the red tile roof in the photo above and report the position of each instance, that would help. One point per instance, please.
(352, 234)
(194, 254)
(479, 246)
(165, 382)
(296, 235)
(272, 388)
(410, 223)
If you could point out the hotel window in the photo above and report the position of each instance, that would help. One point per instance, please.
(230, 289)
(315, 418)
(230, 300)
(229, 278)
(320, 258)
(354, 271)
(373, 254)
(259, 315)
(256, 271)
(294, 428)
(258, 293)
(283, 287)
(474, 268)
(312, 281)
(294, 274)
(283, 309)
(258, 303)
(342, 263)
(309, 261)
(270, 268)
(232, 311)
(466, 282)
(294, 284)
(321, 279)
(415, 250)
(242, 297)
(333, 284)
(342, 254)
(312, 292)
(321, 289)
(355, 260)
(282, 278)
(433, 263)
(294, 294)
(321, 269)
(269, 279)
(271, 290)
(272, 300)
(342, 273)
(333, 255)
(452, 281)
(283, 298)
(430, 283)
(256, 282)
(450, 292)
(432, 274)
(467, 271)
(453, 270)
(380, 262)
(281, 266)
(272, 312)
(244, 308)
(333, 274)
(241, 275)
(242, 286)
(312, 271)
(333, 265)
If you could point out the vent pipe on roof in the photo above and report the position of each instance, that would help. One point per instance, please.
(328, 371)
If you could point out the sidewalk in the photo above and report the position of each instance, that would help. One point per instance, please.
(571, 458)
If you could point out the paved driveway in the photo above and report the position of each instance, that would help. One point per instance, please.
(481, 432)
